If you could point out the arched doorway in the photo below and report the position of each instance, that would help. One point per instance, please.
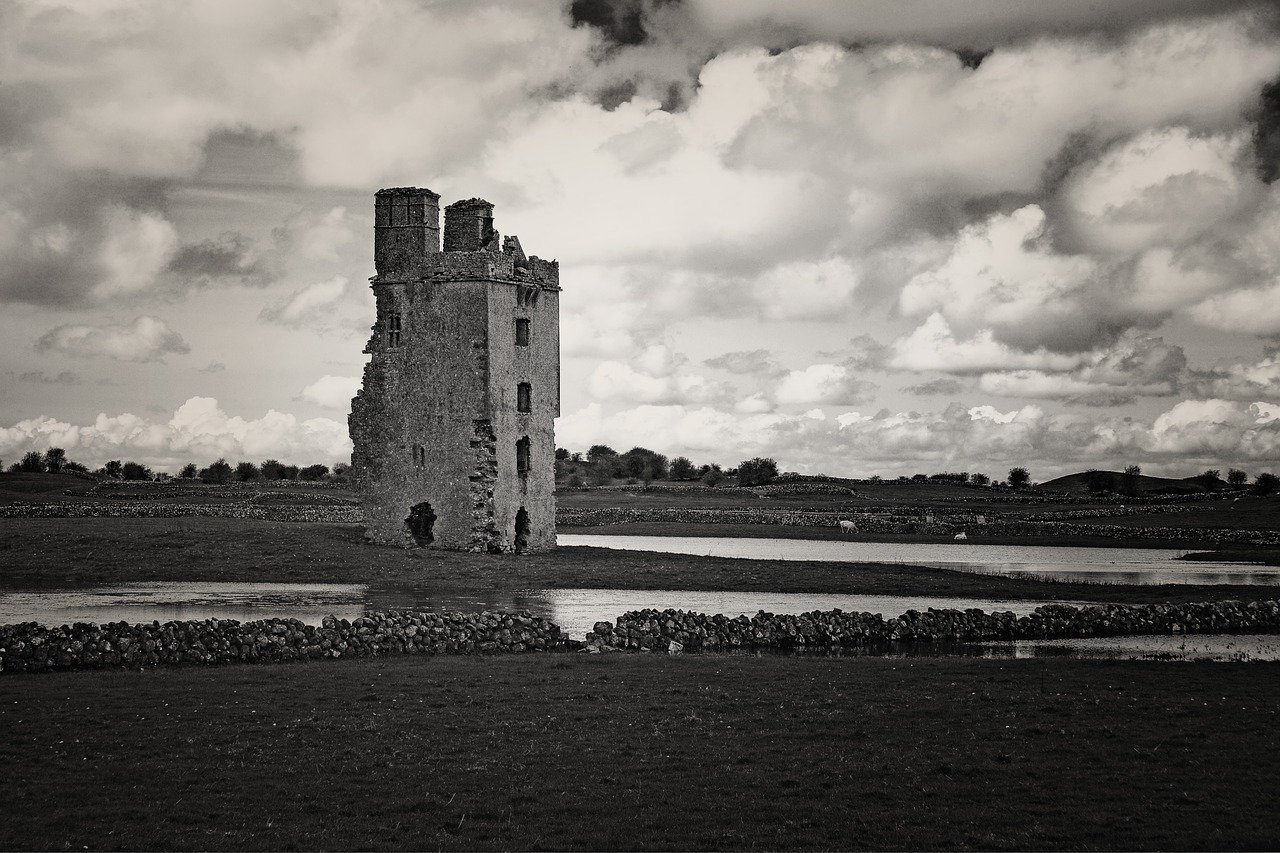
(522, 530)
(421, 523)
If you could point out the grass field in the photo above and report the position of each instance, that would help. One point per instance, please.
(580, 752)
(645, 752)
(61, 553)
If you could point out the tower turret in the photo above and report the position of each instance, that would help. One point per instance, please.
(406, 228)
(468, 226)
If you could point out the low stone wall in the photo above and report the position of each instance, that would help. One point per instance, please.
(658, 630)
(31, 647)
(891, 520)
(148, 509)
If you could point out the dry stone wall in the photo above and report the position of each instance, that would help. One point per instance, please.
(911, 520)
(658, 630)
(336, 513)
(31, 647)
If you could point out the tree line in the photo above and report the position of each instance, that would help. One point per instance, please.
(54, 460)
(602, 465)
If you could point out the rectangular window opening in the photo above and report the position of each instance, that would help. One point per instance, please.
(522, 332)
(524, 397)
(393, 330)
(522, 456)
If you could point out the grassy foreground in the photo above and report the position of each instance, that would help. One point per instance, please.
(59, 553)
(645, 752)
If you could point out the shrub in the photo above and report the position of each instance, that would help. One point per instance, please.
(759, 471)
(135, 471)
(219, 472)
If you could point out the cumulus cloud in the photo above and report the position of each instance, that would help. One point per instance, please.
(824, 384)
(1002, 277)
(146, 339)
(1218, 428)
(1162, 187)
(136, 111)
(1248, 382)
(1251, 311)
(933, 346)
(656, 47)
(657, 374)
(980, 438)
(1138, 366)
(332, 392)
(312, 305)
(199, 431)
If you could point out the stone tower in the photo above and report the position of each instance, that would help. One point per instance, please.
(453, 427)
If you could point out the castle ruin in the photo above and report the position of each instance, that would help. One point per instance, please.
(453, 427)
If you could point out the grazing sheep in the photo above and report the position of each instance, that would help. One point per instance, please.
(848, 527)
(960, 536)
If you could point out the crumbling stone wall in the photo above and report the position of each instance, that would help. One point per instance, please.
(437, 418)
(31, 647)
(653, 629)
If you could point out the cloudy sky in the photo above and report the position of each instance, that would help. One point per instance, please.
(858, 236)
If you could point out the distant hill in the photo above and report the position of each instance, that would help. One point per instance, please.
(1093, 482)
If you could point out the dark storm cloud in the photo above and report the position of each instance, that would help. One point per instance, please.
(621, 22)
(862, 353)
(232, 258)
(63, 227)
(936, 386)
(758, 362)
(245, 156)
(39, 377)
(23, 106)
(656, 48)
(1266, 133)
(973, 26)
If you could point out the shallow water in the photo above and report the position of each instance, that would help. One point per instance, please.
(577, 610)
(574, 610)
(1088, 565)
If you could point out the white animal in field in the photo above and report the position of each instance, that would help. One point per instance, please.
(960, 536)
(848, 527)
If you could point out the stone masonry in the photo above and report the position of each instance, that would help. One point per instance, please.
(453, 428)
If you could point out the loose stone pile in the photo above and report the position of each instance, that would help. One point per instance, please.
(658, 630)
(31, 647)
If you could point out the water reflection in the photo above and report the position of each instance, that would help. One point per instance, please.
(574, 610)
(1089, 565)
(1186, 647)
(164, 602)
